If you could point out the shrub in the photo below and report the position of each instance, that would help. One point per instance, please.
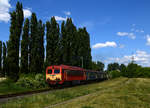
(114, 74)
(32, 82)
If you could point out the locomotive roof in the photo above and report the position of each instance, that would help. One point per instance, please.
(73, 67)
(67, 67)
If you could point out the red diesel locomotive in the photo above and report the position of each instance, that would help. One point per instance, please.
(70, 74)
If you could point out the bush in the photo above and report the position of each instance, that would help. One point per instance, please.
(36, 81)
(114, 74)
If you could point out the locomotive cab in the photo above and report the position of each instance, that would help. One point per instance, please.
(53, 75)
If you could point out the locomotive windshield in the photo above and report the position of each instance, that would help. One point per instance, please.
(49, 71)
(56, 71)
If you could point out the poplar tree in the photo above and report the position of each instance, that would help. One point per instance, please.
(84, 50)
(4, 59)
(81, 48)
(48, 46)
(36, 59)
(14, 41)
(63, 41)
(41, 32)
(87, 58)
(34, 45)
(25, 48)
(19, 24)
(52, 37)
(12, 59)
(70, 30)
(1, 73)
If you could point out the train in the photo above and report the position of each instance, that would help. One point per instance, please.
(64, 74)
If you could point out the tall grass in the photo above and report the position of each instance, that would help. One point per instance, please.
(58, 96)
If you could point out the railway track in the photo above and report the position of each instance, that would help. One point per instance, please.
(23, 93)
(5, 98)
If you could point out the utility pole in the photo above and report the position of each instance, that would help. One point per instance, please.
(132, 58)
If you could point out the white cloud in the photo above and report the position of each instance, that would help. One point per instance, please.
(58, 18)
(148, 40)
(122, 33)
(106, 44)
(4, 10)
(27, 13)
(139, 31)
(136, 29)
(121, 46)
(140, 57)
(142, 31)
(67, 13)
(130, 35)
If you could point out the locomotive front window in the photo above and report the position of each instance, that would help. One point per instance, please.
(49, 71)
(56, 71)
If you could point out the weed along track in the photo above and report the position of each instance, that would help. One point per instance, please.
(7, 97)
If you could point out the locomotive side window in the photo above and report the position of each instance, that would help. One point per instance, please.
(49, 71)
(56, 71)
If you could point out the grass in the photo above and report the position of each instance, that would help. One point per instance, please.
(135, 93)
(116, 93)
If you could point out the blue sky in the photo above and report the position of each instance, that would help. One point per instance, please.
(119, 29)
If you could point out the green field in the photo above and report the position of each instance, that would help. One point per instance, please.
(116, 93)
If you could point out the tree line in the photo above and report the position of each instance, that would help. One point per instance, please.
(132, 70)
(33, 45)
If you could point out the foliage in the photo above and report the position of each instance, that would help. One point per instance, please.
(113, 66)
(52, 48)
(36, 49)
(114, 74)
(68, 38)
(143, 72)
(24, 48)
(4, 60)
(132, 70)
(99, 66)
(1, 73)
(14, 41)
(34, 59)
(123, 70)
(31, 81)
(41, 33)
(82, 49)
(8, 86)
